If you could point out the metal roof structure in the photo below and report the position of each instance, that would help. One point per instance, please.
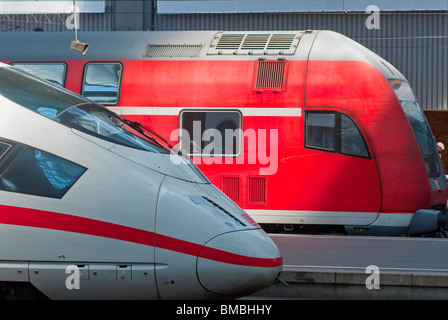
(291, 6)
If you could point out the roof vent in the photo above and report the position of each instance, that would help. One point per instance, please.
(217, 206)
(229, 43)
(255, 42)
(172, 50)
(270, 75)
(281, 41)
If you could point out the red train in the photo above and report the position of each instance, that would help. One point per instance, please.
(303, 129)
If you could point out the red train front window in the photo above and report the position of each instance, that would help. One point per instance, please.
(419, 126)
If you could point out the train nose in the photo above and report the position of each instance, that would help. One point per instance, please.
(238, 263)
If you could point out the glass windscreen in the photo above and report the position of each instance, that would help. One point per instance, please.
(419, 126)
(96, 120)
(36, 94)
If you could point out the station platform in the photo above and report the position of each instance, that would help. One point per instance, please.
(344, 267)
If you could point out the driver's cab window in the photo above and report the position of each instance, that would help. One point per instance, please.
(334, 132)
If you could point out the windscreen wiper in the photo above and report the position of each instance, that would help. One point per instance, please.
(142, 129)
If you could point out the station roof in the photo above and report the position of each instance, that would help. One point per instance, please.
(291, 6)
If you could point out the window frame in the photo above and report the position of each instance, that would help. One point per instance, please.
(338, 134)
(10, 146)
(120, 78)
(239, 150)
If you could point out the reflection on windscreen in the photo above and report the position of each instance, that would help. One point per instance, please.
(94, 119)
(70, 109)
(35, 94)
(419, 126)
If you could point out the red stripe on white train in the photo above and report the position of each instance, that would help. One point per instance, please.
(70, 223)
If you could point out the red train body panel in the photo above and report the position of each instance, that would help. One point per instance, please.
(282, 180)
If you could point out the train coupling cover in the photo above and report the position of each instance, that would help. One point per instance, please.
(427, 221)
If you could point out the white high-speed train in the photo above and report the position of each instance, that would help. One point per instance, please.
(93, 206)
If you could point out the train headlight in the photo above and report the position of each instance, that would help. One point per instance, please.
(402, 90)
(407, 99)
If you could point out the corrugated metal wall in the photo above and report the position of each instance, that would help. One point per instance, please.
(415, 42)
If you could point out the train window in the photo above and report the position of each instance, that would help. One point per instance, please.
(334, 132)
(102, 82)
(54, 72)
(35, 172)
(210, 133)
(321, 131)
(352, 142)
